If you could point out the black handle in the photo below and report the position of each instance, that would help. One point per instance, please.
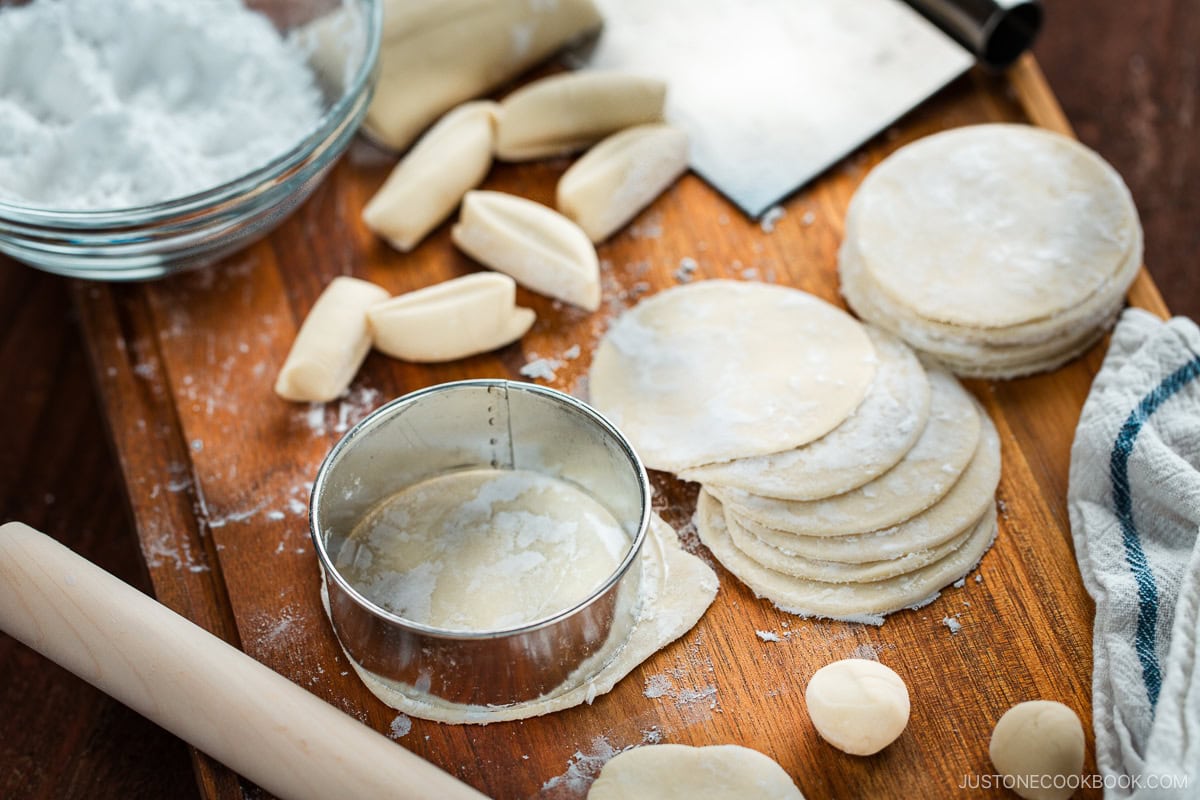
(996, 31)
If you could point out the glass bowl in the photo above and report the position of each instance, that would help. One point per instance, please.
(193, 231)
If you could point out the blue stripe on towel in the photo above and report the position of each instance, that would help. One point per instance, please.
(1147, 618)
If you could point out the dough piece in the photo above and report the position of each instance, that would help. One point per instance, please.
(923, 476)
(429, 182)
(331, 343)
(870, 442)
(952, 516)
(677, 588)
(680, 772)
(858, 706)
(716, 370)
(435, 54)
(620, 176)
(993, 225)
(541, 248)
(569, 112)
(1041, 739)
(450, 320)
(850, 602)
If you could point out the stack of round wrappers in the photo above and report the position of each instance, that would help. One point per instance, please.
(999, 250)
(840, 477)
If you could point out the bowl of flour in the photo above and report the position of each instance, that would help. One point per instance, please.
(143, 137)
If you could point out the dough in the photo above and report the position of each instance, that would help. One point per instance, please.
(1039, 739)
(858, 706)
(850, 602)
(716, 370)
(435, 54)
(993, 225)
(569, 112)
(449, 320)
(430, 181)
(871, 441)
(331, 343)
(541, 248)
(923, 476)
(680, 772)
(952, 516)
(677, 588)
(620, 176)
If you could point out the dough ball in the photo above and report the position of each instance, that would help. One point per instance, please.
(1039, 741)
(679, 772)
(858, 706)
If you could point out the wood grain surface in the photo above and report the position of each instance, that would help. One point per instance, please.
(58, 738)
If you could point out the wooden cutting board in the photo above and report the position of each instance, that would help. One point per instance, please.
(218, 471)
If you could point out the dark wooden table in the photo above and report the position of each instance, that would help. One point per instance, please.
(1127, 75)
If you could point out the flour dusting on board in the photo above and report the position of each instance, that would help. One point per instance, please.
(584, 766)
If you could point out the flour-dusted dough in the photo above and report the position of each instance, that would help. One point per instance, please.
(951, 517)
(540, 248)
(677, 588)
(1039, 740)
(331, 343)
(857, 705)
(620, 176)
(569, 112)
(923, 476)
(449, 320)
(870, 442)
(993, 225)
(716, 370)
(680, 772)
(435, 54)
(850, 602)
(452, 158)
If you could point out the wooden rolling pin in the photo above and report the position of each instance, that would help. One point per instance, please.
(198, 687)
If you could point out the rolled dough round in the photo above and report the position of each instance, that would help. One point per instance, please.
(870, 442)
(679, 772)
(858, 706)
(923, 476)
(717, 370)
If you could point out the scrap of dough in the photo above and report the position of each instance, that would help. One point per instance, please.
(993, 225)
(435, 54)
(331, 343)
(452, 158)
(849, 602)
(952, 516)
(924, 476)
(1041, 738)
(870, 442)
(857, 705)
(680, 772)
(569, 112)
(620, 176)
(450, 320)
(716, 370)
(541, 248)
(677, 588)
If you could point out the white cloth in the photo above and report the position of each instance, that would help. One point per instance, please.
(1134, 501)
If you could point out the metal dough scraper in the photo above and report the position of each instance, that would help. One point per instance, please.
(772, 92)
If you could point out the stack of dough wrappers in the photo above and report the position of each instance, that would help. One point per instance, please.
(1000, 250)
(841, 477)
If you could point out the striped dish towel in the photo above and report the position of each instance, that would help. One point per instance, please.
(1134, 501)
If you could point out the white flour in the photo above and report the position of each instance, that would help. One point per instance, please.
(108, 104)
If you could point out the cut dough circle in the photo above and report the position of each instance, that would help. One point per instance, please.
(450, 320)
(993, 225)
(849, 602)
(569, 112)
(452, 158)
(696, 375)
(677, 588)
(923, 476)
(680, 772)
(620, 176)
(858, 706)
(871, 441)
(540, 248)
(1040, 739)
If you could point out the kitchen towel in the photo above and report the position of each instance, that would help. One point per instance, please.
(1134, 501)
